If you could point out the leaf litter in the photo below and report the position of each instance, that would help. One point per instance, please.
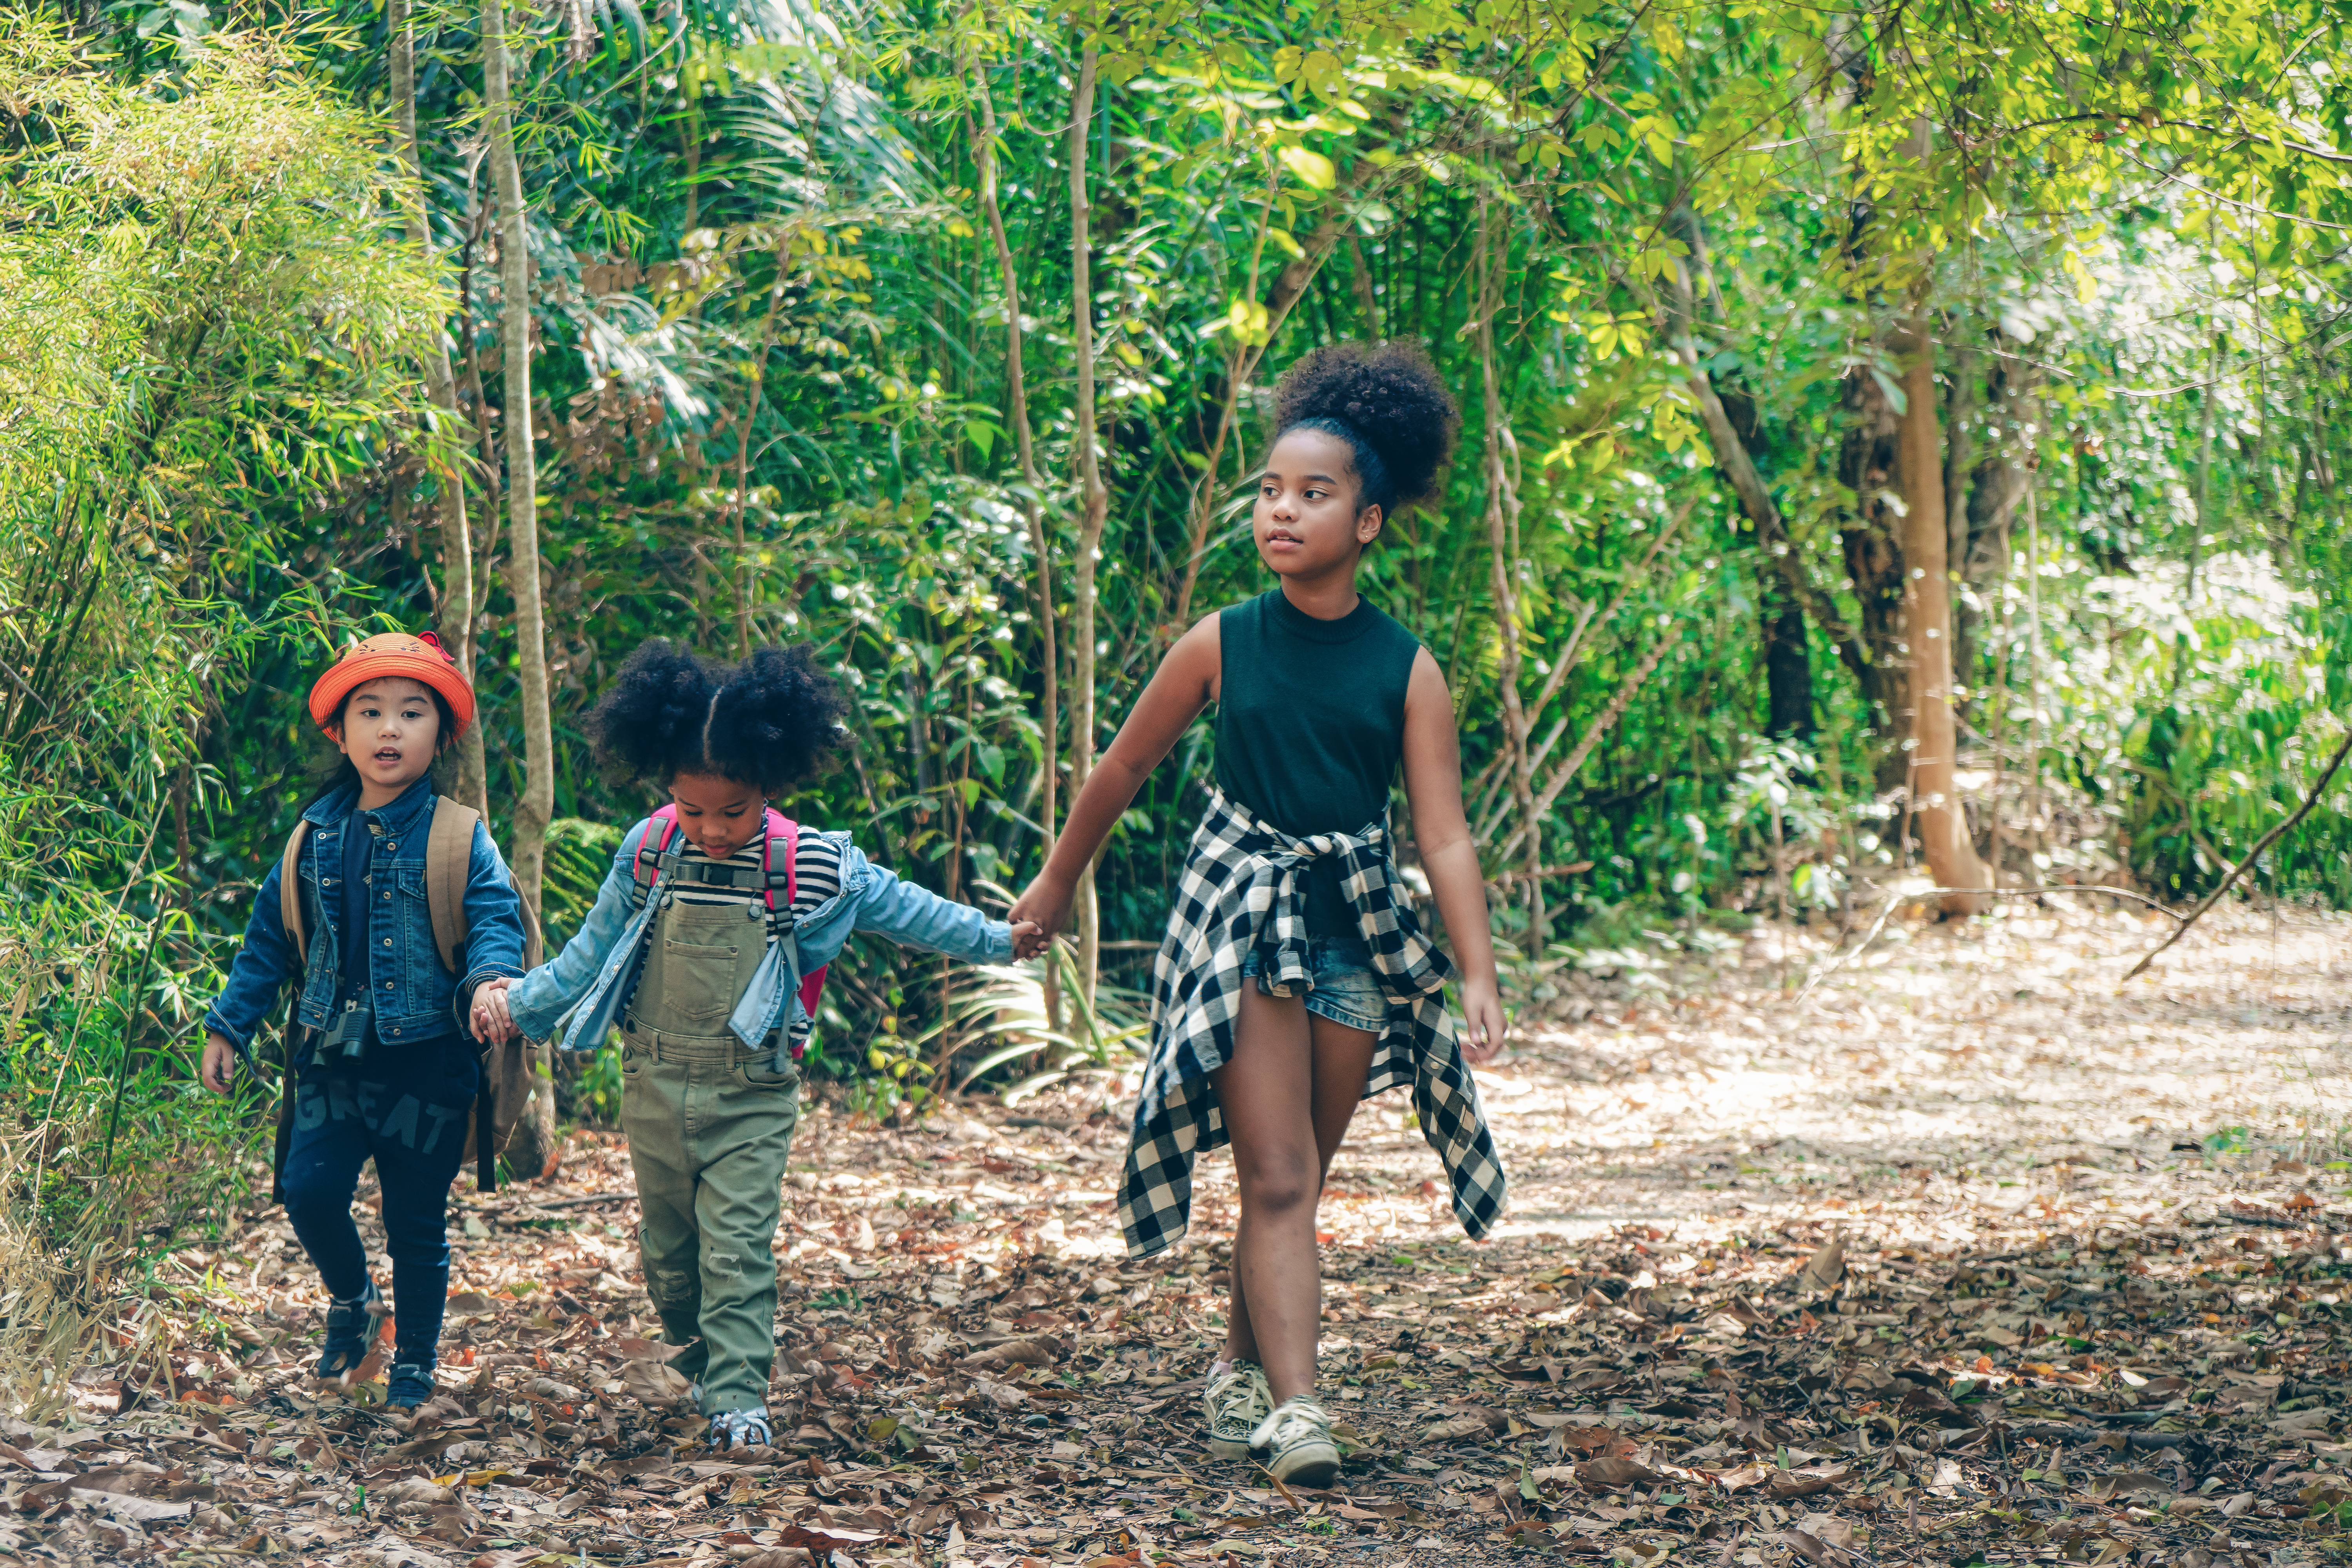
(1966, 1259)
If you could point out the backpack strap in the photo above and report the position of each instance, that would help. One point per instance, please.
(289, 889)
(448, 863)
(784, 830)
(654, 855)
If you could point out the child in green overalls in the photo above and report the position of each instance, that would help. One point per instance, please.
(704, 948)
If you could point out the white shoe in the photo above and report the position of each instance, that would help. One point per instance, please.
(1236, 1403)
(742, 1430)
(1296, 1444)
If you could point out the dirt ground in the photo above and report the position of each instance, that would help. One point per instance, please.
(1952, 1254)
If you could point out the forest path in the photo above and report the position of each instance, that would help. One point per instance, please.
(1939, 1069)
(1913, 1269)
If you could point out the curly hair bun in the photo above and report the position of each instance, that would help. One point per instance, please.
(768, 721)
(1390, 397)
(777, 717)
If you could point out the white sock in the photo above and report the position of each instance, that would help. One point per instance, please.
(1218, 1369)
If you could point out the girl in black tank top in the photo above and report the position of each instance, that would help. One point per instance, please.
(1320, 698)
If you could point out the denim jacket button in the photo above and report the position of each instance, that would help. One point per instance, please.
(389, 844)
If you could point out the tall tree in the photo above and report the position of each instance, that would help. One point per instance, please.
(1094, 503)
(983, 138)
(534, 1149)
(1735, 431)
(1500, 463)
(1936, 808)
(457, 606)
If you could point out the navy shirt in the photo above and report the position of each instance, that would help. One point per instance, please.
(360, 840)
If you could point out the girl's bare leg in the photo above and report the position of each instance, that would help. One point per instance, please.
(1287, 1095)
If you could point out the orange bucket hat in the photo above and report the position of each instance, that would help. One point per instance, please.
(419, 657)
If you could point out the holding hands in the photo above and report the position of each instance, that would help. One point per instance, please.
(1029, 939)
(1043, 908)
(493, 1023)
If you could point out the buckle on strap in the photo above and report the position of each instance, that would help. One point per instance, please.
(713, 875)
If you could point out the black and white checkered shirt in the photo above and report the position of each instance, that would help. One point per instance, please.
(1243, 887)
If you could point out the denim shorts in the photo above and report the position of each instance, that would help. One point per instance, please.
(1346, 990)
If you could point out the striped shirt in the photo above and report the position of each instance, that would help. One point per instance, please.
(817, 879)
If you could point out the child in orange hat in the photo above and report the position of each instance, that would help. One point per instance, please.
(383, 1067)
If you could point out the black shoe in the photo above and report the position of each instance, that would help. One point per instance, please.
(412, 1385)
(351, 1330)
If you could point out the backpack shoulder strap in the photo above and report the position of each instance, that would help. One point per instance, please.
(289, 889)
(654, 853)
(448, 860)
(782, 830)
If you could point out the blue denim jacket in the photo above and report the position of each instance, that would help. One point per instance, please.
(415, 998)
(593, 977)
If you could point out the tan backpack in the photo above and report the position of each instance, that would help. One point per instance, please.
(507, 1081)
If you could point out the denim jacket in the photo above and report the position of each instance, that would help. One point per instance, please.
(593, 977)
(415, 998)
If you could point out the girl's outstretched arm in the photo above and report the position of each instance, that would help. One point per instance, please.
(1185, 683)
(537, 1002)
(1432, 784)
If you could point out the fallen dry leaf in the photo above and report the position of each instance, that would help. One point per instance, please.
(663, 1387)
(2016, 1317)
(1826, 1267)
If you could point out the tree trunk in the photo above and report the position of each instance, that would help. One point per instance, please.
(458, 607)
(1782, 589)
(534, 1150)
(1870, 539)
(740, 495)
(1997, 479)
(1788, 665)
(1502, 541)
(1095, 504)
(1941, 822)
(1016, 396)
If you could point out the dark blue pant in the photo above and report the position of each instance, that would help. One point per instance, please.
(406, 1111)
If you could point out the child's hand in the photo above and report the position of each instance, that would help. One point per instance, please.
(1482, 1016)
(1045, 905)
(493, 1020)
(1029, 939)
(219, 1065)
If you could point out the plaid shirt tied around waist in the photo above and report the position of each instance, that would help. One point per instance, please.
(1242, 888)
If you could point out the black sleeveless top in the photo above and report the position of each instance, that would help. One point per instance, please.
(1310, 725)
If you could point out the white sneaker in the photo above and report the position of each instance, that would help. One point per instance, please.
(741, 1429)
(1296, 1444)
(1236, 1403)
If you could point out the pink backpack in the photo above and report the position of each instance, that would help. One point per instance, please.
(655, 855)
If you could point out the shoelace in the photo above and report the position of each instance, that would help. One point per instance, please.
(1256, 1404)
(1282, 1428)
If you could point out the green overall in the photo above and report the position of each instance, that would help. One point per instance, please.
(709, 1124)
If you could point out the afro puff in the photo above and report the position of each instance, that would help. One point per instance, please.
(768, 722)
(1386, 403)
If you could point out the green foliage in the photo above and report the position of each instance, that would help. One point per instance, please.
(211, 348)
(758, 252)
